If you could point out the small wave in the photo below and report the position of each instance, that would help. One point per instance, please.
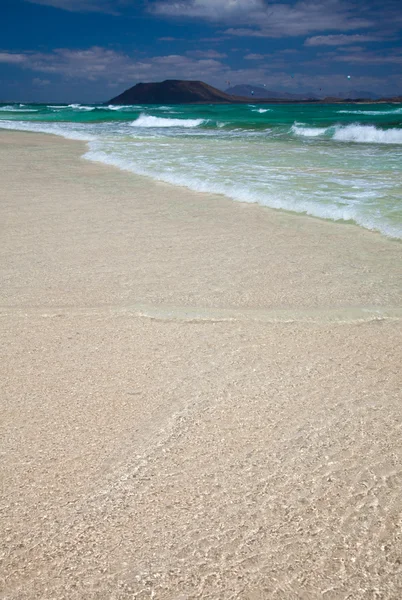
(368, 134)
(308, 131)
(69, 134)
(149, 121)
(262, 110)
(396, 111)
(121, 107)
(13, 109)
(364, 134)
(58, 106)
(80, 107)
(244, 194)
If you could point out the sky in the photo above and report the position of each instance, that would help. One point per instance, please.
(91, 50)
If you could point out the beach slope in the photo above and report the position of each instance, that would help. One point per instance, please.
(200, 398)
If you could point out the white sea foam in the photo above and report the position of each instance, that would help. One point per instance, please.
(262, 110)
(241, 193)
(120, 107)
(308, 131)
(54, 129)
(396, 111)
(368, 134)
(149, 121)
(215, 164)
(13, 109)
(364, 134)
(80, 107)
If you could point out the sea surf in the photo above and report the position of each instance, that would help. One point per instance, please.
(338, 162)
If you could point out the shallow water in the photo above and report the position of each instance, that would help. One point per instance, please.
(339, 162)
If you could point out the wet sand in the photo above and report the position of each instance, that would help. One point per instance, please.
(200, 398)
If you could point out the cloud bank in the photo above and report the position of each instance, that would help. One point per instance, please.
(256, 18)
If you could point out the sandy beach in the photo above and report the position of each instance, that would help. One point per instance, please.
(200, 398)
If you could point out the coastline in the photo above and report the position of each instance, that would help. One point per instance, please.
(184, 414)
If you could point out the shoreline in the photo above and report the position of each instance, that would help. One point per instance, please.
(116, 164)
(201, 397)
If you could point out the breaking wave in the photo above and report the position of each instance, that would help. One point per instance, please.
(368, 134)
(308, 131)
(80, 107)
(363, 134)
(149, 121)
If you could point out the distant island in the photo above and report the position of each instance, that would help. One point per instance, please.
(260, 92)
(176, 91)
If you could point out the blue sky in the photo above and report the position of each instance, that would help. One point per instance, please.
(91, 50)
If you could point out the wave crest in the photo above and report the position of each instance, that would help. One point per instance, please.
(361, 134)
(395, 111)
(308, 131)
(149, 121)
(368, 134)
(81, 107)
(14, 109)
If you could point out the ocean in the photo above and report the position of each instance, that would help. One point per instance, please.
(341, 162)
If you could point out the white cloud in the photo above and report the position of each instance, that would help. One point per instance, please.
(106, 6)
(99, 68)
(257, 18)
(101, 64)
(12, 58)
(254, 56)
(214, 10)
(372, 58)
(341, 40)
(206, 54)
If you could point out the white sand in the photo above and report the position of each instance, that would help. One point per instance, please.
(200, 399)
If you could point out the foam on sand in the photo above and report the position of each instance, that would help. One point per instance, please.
(241, 193)
(64, 131)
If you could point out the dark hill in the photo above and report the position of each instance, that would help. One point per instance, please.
(173, 91)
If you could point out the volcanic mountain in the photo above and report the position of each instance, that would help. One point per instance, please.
(174, 91)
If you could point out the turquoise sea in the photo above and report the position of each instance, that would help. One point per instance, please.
(338, 162)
